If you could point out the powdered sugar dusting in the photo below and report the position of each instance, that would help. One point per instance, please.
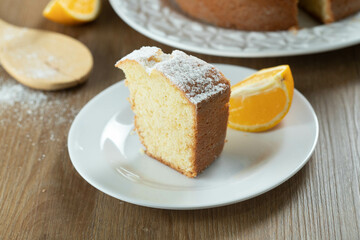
(142, 55)
(147, 56)
(37, 65)
(40, 73)
(26, 108)
(11, 93)
(8, 33)
(198, 79)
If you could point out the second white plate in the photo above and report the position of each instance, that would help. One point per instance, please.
(163, 21)
(107, 154)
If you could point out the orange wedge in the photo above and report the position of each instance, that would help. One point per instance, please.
(72, 12)
(262, 100)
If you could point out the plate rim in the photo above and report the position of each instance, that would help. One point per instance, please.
(193, 206)
(233, 54)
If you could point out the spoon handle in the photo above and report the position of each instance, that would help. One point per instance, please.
(5, 25)
(8, 31)
(2, 24)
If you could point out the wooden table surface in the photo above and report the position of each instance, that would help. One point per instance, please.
(43, 197)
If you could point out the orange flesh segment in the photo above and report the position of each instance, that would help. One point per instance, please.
(247, 110)
(261, 101)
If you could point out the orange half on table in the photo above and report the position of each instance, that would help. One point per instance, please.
(72, 12)
(262, 100)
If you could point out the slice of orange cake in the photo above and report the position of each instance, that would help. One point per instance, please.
(181, 107)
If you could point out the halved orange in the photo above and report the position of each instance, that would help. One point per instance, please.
(72, 12)
(262, 100)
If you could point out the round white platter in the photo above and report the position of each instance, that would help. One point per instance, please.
(162, 21)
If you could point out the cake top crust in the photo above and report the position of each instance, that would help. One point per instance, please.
(196, 78)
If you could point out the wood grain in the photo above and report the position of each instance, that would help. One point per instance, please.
(43, 197)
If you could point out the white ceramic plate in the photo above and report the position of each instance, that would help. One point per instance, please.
(105, 151)
(161, 20)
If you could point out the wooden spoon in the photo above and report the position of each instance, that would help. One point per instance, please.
(42, 59)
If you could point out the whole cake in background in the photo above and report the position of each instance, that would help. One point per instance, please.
(265, 15)
(258, 15)
(181, 107)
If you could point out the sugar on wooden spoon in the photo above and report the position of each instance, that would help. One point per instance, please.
(42, 59)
